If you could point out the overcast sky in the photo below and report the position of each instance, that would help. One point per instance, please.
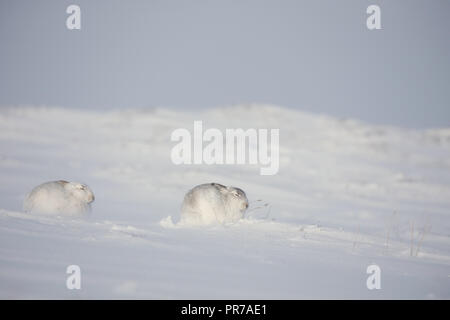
(311, 55)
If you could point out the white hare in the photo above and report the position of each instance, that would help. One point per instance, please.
(59, 198)
(213, 203)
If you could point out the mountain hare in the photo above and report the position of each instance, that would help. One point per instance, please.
(213, 203)
(59, 198)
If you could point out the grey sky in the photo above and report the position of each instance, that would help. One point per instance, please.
(312, 55)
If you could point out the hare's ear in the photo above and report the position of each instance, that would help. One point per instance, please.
(220, 187)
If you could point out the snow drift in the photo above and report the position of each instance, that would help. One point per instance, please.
(347, 195)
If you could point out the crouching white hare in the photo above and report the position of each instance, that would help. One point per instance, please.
(59, 198)
(213, 203)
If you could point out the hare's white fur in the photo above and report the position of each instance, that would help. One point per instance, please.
(213, 203)
(59, 198)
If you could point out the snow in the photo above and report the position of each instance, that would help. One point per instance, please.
(347, 195)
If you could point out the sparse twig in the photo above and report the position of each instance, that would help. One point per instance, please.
(425, 230)
(264, 205)
(388, 232)
(418, 240)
